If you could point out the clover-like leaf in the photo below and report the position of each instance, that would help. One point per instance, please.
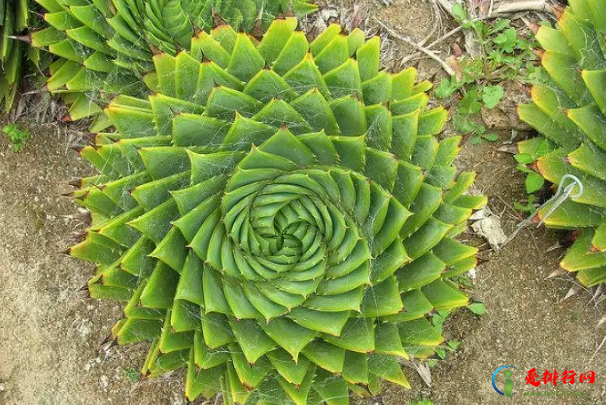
(491, 95)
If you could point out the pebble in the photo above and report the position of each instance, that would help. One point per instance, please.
(103, 382)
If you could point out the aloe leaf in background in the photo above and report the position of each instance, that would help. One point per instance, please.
(105, 46)
(570, 114)
(279, 217)
(13, 22)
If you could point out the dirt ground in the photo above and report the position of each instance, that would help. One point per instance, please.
(51, 335)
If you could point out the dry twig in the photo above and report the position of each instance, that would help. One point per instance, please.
(506, 8)
(502, 10)
(426, 51)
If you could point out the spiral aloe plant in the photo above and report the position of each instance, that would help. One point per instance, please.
(279, 218)
(570, 114)
(13, 20)
(103, 45)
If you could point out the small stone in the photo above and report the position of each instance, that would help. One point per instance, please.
(103, 382)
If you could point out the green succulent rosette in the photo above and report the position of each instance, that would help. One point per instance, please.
(570, 113)
(104, 45)
(279, 217)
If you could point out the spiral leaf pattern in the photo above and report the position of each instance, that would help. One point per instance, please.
(279, 217)
(570, 113)
(104, 45)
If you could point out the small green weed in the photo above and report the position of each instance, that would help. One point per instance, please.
(442, 352)
(451, 346)
(505, 56)
(528, 207)
(534, 181)
(17, 137)
(132, 374)
(477, 308)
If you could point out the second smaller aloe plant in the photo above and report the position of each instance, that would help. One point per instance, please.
(105, 46)
(570, 113)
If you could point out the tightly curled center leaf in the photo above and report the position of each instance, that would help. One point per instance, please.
(279, 216)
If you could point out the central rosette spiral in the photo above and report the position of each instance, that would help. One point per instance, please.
(292, 228)
(285, 232)
(286, 226)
